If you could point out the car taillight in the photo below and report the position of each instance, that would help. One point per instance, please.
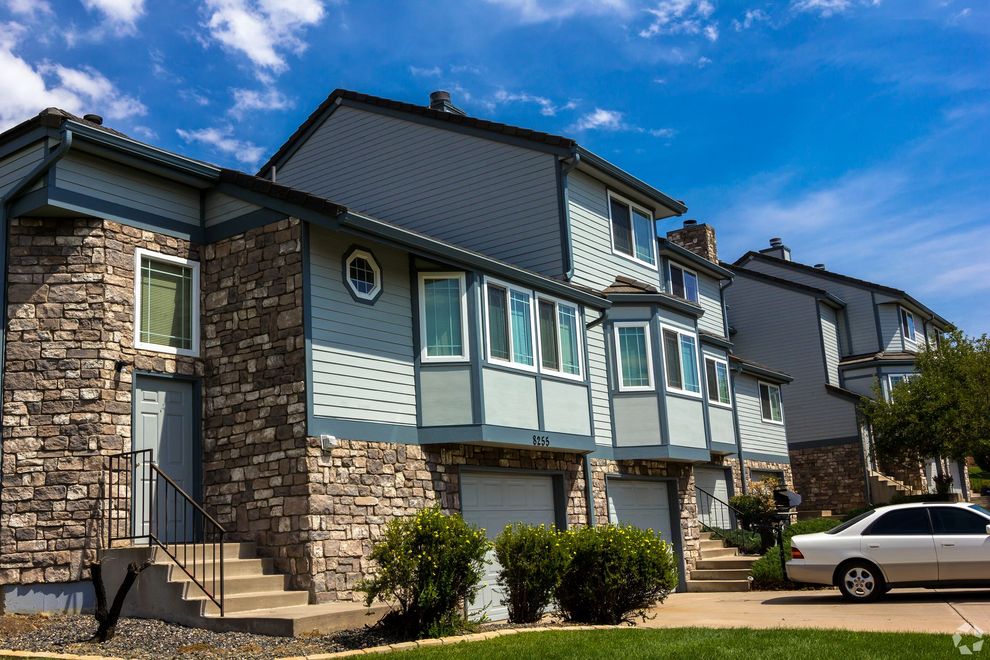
(795, 553)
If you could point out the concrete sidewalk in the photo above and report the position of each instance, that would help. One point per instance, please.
(908, 610)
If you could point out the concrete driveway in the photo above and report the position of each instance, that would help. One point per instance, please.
(907, 610)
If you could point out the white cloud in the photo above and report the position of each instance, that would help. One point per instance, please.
(263, 30)
(662, 132)
(826, 8)
(750, 18)
(703, 62)
(30, 88)
(681, 17)
(223, 141)
(540, 11)
(426, 72)
(29, 8)
(268, 100)
(121, 12)
(547, 107)
(614, 121)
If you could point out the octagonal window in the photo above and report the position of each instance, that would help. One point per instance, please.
(363, 275)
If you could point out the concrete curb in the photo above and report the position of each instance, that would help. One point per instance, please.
(455, 639)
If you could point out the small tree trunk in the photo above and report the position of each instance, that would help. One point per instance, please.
(108, 619)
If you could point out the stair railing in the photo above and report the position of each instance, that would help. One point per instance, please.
(715, 515)
(144, 503)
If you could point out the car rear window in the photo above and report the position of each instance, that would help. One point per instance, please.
(901, 522)
(852, 521)
(955, 521)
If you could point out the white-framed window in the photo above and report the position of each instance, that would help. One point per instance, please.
(510, 328)
(559, 337)
(893, 380)
(633, 356)
(717, 375)
(634, 234)
(363, 275)
(771, 408)
(166, 303)
(683, 282)
(680, 354)
(443, 317)
(907, 324)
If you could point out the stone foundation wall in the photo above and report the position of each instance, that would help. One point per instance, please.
(67, 386)
(829, 478)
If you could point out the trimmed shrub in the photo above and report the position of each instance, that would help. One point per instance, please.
(614, 572)
(747, 542)
(532, 560)
(429, 564)
(766, 571)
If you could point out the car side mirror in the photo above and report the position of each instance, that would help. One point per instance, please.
(988, 530)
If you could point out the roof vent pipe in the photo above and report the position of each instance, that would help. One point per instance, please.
(820, 266)
(776, 241)
(439, 100)
(93, 118)
(690, 223)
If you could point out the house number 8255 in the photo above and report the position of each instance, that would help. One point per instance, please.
(541, 440)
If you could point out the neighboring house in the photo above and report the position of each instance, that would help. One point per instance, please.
(839, 337)
(440, 310)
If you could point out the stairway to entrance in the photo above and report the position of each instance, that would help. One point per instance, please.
(884, 488)
(721, 568)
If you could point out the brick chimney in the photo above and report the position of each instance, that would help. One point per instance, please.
(699, 239)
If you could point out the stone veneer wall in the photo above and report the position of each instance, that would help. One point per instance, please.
(829, 478)
(66, 404)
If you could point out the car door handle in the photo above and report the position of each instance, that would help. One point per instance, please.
(874, 545)
(948, 545)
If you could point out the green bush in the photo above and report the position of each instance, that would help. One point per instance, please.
(756, 508)
(613, 573)
(532, 559)
(746, 541)
(429, 564)
(766, 571)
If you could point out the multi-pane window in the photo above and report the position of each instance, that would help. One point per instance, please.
(443, 316)
(166, 303)
(363, 275)
(633, 232)
(632, 346)
(893, 380)
(907, 324)
(510, 324)
(680, 354)
(683, 283)
(717, 374)
(770, 406)
(559, 347)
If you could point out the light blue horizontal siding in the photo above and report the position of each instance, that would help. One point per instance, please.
(595, 265)
(19, 164)
(362, 354)
(598, 372)
(219, 208)
(565, 407)
(685, 421)
(491, 197)
(510, 399)
(830, 341)
(123, 185)
(710, 298)
(755, 435)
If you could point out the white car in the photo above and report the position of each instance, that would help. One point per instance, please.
(904, 545)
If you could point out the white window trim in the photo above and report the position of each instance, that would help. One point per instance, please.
(363, 254)
(901, 311)
(646, 325)
(697, 367)
(611, 237)
(725, 364)
(557, 302)
(759, 401)
(685, 269)
(141, 253)
(532, 325)
(890, 382)
(465, 348)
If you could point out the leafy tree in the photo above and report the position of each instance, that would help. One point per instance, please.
(944, 410)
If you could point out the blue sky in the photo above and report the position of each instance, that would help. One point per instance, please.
(857, 130)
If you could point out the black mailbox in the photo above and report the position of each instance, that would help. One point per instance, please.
(786, 499)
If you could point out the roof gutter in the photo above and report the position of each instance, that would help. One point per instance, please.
(643, 188)
(566, 165)
(39, 171)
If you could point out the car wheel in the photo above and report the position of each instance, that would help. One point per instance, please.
(861, 582)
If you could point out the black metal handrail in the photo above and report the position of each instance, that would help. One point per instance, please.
(142, 502)
(726, 516)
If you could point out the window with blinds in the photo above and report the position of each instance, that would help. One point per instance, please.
(166, 301)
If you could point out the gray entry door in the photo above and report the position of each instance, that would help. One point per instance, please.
(163, 423)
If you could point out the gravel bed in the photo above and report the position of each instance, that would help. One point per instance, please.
(148, 638)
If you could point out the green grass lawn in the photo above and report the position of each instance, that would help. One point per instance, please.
(700, 643)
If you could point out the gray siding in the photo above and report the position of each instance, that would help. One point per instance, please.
(890, 327)
(710, 297)
(779, 327)
(489, 196)
(362, 354)
(859, 302)
(755, 435)
(565, 407)
(830, 341)
(219, 207)
(595, 265)
(445, 395)
(685, 421)
(720, 418)
(17, 165)
(510, 399)
(118, 184)
(859, 381)
(637, 420)
(598, 373)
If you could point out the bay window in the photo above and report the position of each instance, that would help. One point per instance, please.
(443, 316)
(510, 324)
(632, 346)
(680, 352)
(559, 344)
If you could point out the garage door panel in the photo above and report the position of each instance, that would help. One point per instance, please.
(644, 504)
(492, 501)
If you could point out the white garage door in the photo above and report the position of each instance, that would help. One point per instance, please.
(492, 501)
(711, 512)
(644, 504)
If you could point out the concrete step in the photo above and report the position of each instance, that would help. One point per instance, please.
(711, 544)
(706, 536)
(739, 561)
(297, 620)
(187, 552)
(233, 586)
(717, 585)
(720, 574)
(721, 551)
(251, 601)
